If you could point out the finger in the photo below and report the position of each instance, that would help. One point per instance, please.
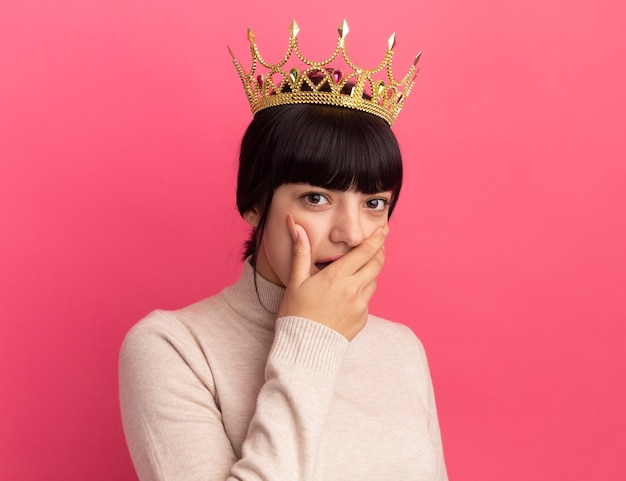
(300, 253)
(375, 264)
(360, 255)
(370, 270)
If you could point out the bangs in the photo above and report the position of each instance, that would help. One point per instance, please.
(337, 148)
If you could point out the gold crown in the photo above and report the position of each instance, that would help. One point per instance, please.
(325, 82)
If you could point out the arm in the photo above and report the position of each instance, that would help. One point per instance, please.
(285, 432)
(173, 423)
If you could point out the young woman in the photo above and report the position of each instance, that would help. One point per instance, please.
(285, 375)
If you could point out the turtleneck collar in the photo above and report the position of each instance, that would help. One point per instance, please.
(259, 308)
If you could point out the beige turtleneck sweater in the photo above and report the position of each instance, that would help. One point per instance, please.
(222, 390)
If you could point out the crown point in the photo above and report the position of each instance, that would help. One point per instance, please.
(230, 52)
(343, 29)
(294, 29)
(392, 41)
(417, 58)
(250, 35)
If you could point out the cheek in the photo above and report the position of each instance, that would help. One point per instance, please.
(379, 222)
(315, 229)
(274, 262)
(371, 224)
(276, 240)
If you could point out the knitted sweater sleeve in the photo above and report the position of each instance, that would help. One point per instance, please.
(174, 430)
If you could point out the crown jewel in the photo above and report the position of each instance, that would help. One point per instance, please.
(334, 81)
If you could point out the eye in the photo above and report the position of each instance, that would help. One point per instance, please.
(315, 198)
(378, 204)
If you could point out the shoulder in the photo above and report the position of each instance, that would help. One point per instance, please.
(162, 352)
(166, 324)
(170, 334)
(400, 335)
(394, 344)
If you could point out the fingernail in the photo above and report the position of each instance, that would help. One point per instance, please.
(385, 229)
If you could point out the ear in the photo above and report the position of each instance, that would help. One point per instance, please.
(252, 217)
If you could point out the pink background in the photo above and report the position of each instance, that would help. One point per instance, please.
(119, 125)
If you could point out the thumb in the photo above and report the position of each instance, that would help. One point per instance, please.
(300, 253)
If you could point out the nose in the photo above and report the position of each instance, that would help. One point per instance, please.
(347, 227)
